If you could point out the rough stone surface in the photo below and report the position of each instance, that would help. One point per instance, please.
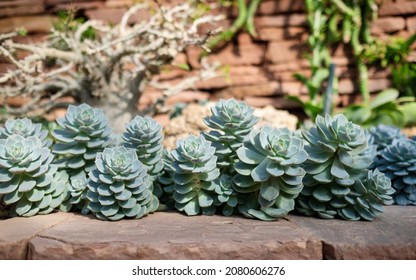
(15, 233)
(174, 236)
(389, 236)
(170, 235)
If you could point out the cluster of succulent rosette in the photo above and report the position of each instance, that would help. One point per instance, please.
(333, 169)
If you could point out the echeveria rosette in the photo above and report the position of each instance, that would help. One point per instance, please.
(336, 149)
(338, 161)
(84, 132)
(194, 173)
(227, 197)
(398, 162)
(27, 177)
(163, 187)
(144, 135)
(231, 121)
(364, 200)
(119, 187)
(384, 135)
(78, 189)
(270, 163)
(25, 127)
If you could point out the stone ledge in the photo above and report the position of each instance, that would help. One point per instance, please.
(174, 236)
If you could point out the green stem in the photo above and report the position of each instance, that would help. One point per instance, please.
(254, 4)
(238, 24)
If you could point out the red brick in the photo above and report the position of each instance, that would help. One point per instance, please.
(270, 7)
(33, 24)
(286, 51)
(411, 24)
(388, 25)
(281, 34)
(281, 20)
(395, 9)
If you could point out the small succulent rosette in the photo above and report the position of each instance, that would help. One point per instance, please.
(84, 132)
(231, 121)
(338, 179)
(227, 196)
(384, 135)
(194, 173)
(28, 180)
(398, 162)
(270, 164)
(119, 186)
(144, 135)
(25, 127)
(78, 189)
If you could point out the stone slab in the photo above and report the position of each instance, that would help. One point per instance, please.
(174, 236)
(390, 236)
(15, 233)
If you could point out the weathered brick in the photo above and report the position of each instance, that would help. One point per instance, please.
(271, 7)
(281, 20)
(281, 34)
(285, 51)
(388, 25)
(397, 9)
(33, 24)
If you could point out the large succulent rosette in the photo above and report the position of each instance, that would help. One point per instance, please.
(28, 180)
(119, 186)
(194, 173)
(231, 121)
(270, 164)
(144, 135)
(398, 162)
(337, 163)
(25, 127)
(84, 132)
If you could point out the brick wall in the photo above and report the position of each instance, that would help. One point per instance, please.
(260, 69)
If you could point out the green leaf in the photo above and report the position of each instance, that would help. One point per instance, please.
(204, 199)
(275, 212)
(269, 191)
(192, 207)
(287, 204)
(322, 194)
(260, 174)
(316, 205)
(386, 96)
(109, 210)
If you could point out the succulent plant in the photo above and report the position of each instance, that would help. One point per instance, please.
(28, 180)
(78, 189)
(163, 187)
(338, 182)
(25, 127)
(270, 163)
(363, 200)
(398, 162)
(84, 132)
(119, 186)
(384, 135)
(231, 121)
(194, 173)
(144, 135)
(227, 196)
